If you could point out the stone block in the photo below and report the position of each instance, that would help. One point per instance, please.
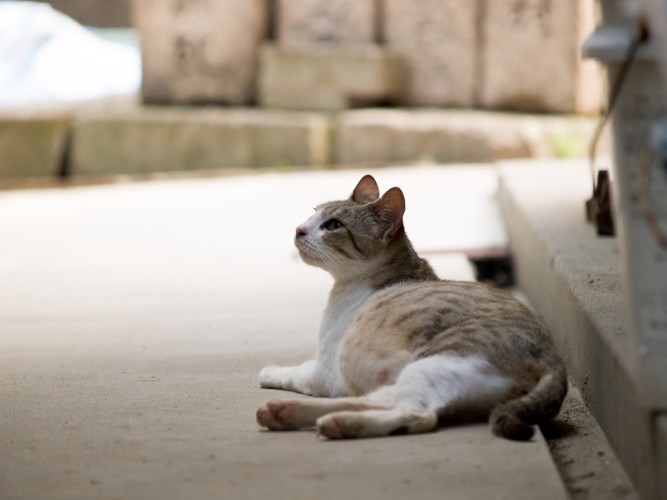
(326, 21)
(437, 39)
(427, 135)
(33, 144)
(531, 57)
(101, 13)
(171, 138)
(326, 77)
(200, 51)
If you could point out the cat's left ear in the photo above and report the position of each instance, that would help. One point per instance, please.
(390, 209)
(366, 191)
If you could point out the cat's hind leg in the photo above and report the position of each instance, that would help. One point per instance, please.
(293, 414)
(424, 390)
(371, 423)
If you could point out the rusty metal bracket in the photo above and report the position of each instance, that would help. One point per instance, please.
(598, 207)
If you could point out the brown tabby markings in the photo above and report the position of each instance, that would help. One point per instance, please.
(353, 240)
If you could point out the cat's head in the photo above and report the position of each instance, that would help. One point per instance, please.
(346, 237)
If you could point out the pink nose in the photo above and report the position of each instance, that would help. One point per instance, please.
(300, 231)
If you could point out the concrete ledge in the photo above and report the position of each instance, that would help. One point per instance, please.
(587, 463)
(163, 139)
(572, 278)
(33, 143)
(121, 136)
(451, 136)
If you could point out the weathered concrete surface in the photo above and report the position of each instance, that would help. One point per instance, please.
(199, 52)
(32, 142)
(329, 77)
(572, 278)
(134, 320)
(454, 136)
(531, 57)
(588, 464)
(438, 39)
(163, 139)
(326, 21)
(119, 135)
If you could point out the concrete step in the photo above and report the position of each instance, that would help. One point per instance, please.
(572, 278)
(33, 142)
(455, 136)
(140, 139)
(121, 136)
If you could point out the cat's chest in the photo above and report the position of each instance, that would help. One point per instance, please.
(343, 307)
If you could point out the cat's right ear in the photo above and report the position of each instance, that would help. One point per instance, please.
(390, 209)
(366, 191)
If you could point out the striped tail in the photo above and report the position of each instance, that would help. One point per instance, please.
(515, 418)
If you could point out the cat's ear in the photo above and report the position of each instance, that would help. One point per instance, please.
(390, 209)
(366, 191)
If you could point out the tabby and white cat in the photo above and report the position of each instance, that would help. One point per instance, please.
(398, 348)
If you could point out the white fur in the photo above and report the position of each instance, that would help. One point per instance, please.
(321, 376)
(439, 382)
(425, 389)
(314, 222)
(342, 308)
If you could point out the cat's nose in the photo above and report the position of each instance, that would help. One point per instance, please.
(300, 231)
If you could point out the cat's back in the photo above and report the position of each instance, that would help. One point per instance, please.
(462, 318)
(452, 301)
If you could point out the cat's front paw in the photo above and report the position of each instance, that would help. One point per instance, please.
(276, 416)
(269, 377)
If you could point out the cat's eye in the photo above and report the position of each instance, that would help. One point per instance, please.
(332, 225)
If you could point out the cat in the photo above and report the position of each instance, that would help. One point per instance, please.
(399, 349)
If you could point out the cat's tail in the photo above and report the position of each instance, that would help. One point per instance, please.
(514, 419)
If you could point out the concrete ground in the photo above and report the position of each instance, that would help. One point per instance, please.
(134, 319)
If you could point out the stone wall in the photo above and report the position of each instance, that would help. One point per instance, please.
(326, 21)
(531, 56)
(101, 13)
(199, 51)
(521, 55)
(283, 59)
(437, 40)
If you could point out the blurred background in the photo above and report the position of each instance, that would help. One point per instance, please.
(98, 87)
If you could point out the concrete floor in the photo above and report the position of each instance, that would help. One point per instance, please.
(134, 319)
